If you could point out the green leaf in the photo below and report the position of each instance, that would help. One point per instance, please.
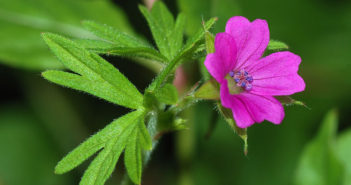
(277, 45)
(97, 72)
(167, 33)
(22, 21)
(99, 88)
(132, 158)
(167, 94)
(188, 49)
(319, 164)
(209, 44)
(145, 139)
(119, 43)
(209, 91)
(127, 132)
(114, 35)
(97, 142)
(161, 23)
(140, 139)
(176, 37)
(103, 47)
(344, 153)
(209, 41)
(103, 165)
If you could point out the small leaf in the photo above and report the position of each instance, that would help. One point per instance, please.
(277, 45)
(119, 43)
(132, 158)
(161, 23)
(95, 69)
(209, 41)
(96, 142)
(145, 138)
(319, 163)
(167, 94)
(209, 91)
(189, 47)
(176, 37)
(103, 165)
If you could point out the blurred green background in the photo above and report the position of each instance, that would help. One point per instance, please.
(40, 122)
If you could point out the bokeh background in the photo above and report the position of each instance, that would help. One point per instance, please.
(40, 122)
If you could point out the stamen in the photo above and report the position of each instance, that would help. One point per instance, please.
(242, 79)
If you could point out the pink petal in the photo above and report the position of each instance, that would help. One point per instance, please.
(263, 107)
(223, 60)
(276, 75)
(240, 113)
(251, 39)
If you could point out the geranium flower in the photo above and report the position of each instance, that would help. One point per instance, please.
(247, 80)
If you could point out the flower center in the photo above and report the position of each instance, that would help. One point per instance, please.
(242, 79)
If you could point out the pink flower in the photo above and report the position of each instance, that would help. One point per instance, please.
(249, 81)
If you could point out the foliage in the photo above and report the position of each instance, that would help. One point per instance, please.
(93, 75)
(106, 32)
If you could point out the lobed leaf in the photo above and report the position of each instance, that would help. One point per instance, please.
(115, 42)
(95, 69)
(103, 47)
(103, 165)
(161, 23)
(188, 49)
(128, 132)
(176, 37)
(167, 33)
(96, 142)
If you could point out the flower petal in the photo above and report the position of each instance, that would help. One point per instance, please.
(263, 107)
(276, 75)
(251, 39)
(240, 113)
(223, 60)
